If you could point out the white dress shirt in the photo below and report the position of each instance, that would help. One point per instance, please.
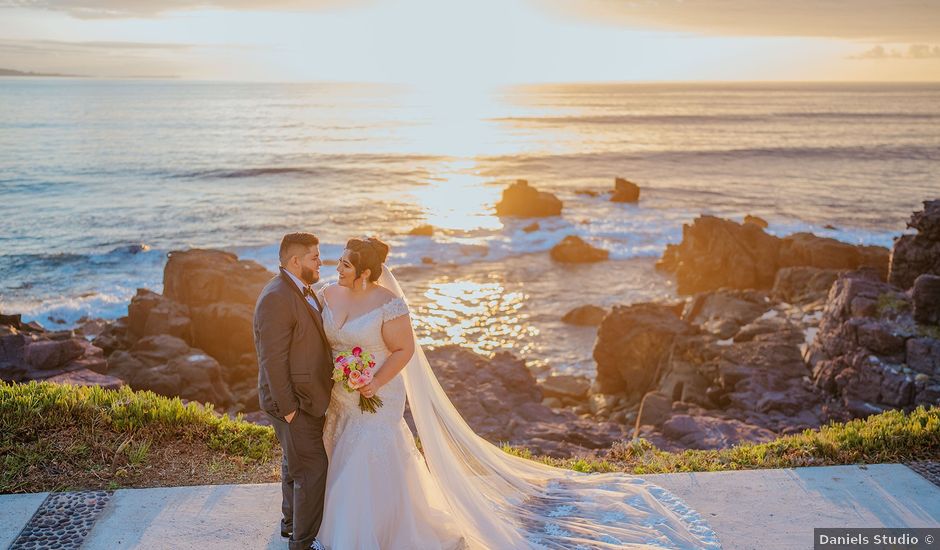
(302, 286)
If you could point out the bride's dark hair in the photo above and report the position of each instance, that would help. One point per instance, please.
(367, 253)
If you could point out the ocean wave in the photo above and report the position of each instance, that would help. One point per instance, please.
(632, 119)
(835, 152)
(319, 166)
(118, 254)
(45, 276)
(65, 312)
(626, 119)
(258, 172)
(860, 115)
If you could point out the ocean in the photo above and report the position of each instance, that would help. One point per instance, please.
(101, 178)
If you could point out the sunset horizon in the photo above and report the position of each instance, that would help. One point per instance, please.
(486, 43)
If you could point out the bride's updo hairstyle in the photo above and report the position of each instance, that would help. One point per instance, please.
(367, 253)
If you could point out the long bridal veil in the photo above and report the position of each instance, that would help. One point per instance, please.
(501, 501)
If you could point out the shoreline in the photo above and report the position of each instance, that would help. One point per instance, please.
(750, 347)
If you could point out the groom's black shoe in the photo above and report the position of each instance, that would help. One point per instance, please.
(286, 533)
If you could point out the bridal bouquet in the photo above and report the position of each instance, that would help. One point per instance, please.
(355, 368)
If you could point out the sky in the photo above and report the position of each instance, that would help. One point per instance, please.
(476, 42)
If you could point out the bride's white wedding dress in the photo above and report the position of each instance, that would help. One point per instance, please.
(465, 492)
(379, 493)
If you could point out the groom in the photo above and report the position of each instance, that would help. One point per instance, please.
(294, 383)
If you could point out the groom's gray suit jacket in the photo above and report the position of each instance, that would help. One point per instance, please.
(294, 362)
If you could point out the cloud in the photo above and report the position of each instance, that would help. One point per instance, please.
(112, 9)
(914, 51)
(874, 20)
(57, 46)
(106, 58)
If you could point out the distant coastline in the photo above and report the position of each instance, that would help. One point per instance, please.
(14, 72)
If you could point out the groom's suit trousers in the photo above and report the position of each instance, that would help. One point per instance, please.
(303, 475)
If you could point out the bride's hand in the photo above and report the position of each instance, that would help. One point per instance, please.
(369, 390)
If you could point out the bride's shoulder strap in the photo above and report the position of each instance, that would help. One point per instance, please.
(394, 308)
(321, 292)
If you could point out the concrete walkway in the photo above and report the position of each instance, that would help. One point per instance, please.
(764, 509)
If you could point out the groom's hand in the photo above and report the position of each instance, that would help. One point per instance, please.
(290, 417)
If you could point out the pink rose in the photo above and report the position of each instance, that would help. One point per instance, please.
(366, 377)
(357, 351)
(346, 370)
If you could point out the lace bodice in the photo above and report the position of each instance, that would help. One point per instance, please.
(364, 330)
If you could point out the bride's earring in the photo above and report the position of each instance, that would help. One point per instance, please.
(363, 283)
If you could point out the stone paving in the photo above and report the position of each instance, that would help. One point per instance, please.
(763, 509)
(63, 520)
(930, 469)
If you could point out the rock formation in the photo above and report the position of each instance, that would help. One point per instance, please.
(633, 346)
(522, 200)
(195, 340)
(870, 352)
(588, 315)
(625, 191)
(422, 231)
(573, 249)
(716, 253)
(167, 365)
(29, 352)
(500, 399)
(913, 255)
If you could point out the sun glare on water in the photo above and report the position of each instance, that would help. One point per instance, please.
(481, 316)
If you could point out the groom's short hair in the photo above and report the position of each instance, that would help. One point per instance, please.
(296, 244)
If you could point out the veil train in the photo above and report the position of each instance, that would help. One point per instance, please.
(501, 501)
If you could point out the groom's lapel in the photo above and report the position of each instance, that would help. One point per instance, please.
(317, 319)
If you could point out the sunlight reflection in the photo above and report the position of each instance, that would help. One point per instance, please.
(459, 201)
(457, 120)
(481, 316)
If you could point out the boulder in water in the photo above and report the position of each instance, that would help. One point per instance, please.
(573, 249)
(522, 200)
(422, 231)
(716, 253)
(625, 191)
(588, 315)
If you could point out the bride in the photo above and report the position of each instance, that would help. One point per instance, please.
(464, 492)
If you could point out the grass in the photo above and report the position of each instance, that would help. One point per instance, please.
(56, 438)
(892, 436)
